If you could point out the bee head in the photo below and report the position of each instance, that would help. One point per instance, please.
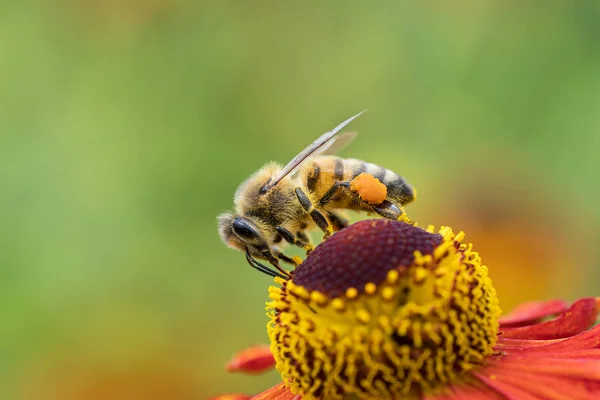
(254, 189)
(242, 233)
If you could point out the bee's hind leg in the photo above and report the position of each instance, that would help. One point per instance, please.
(319, 219)
(331, 191)
(388, 210)
(338, 222)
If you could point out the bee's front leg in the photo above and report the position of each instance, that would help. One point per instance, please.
(319, 219)
(263, 268)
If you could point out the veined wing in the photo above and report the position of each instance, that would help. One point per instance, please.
(336, 144)
(325, 144)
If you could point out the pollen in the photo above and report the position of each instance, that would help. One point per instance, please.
(383, 318)
(369, 188)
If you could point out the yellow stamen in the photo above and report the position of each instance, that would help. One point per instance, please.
(423, 325)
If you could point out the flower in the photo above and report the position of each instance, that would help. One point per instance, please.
(387, 310)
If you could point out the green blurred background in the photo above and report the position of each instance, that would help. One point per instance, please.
(125, 127)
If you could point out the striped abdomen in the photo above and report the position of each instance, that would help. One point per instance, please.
(320, 174)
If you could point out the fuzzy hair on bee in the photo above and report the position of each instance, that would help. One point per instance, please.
(276, 205)
(272, 209)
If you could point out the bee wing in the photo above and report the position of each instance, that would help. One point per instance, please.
(323, 145)
(336, 144)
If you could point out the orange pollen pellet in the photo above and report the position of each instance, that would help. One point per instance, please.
(369, 188)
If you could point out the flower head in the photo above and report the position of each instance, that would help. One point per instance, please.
(386, 310)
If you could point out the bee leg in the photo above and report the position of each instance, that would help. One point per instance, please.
(266, 252)
(289, 260)
(274, 261)
(262, 268)
(337, 221)
(388, 210)
(314, 213)
(305, 239)
(329, 193)
(299, 240)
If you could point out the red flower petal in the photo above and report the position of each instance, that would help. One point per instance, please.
(508, 392)
(544, 366)
(277, 392)
(586, 345)
(553, 360)
(253, 360)
(236, 396)
(549, 379)
(579, 317)
(529, 313)
(465, 391)
(564, 367)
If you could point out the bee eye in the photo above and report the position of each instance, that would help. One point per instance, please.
(265, 188)
(243, 229)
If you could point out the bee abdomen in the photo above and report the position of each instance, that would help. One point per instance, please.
(397, 187)
(313, 177)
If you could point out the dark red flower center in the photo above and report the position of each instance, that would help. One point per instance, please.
(362, 253)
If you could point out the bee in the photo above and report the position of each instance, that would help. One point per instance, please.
(276, 205)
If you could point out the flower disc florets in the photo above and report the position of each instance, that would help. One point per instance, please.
(383, 309)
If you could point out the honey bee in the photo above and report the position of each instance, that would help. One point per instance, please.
(278, 205)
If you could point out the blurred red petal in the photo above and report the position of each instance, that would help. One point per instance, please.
(552, 360)
(529, 313)
(550, 379)
(277, 392)
(579, 317)
(236, 396)
(464, 391)
(253, 360)
(508, 391)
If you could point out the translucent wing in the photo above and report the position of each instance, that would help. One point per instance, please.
(323, 145)
(336, 144)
